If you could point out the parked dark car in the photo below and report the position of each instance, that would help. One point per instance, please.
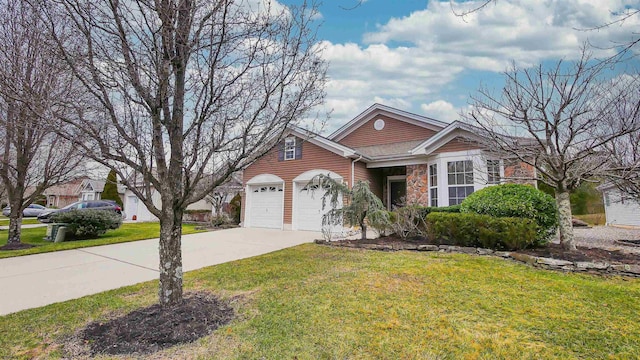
(107, 205)
(32, 210)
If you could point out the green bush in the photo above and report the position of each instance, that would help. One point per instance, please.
(475, 230)
(235, 207)
(110, 191)
(86, 224)
(515, 200)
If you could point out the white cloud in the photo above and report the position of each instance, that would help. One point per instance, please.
(441, 110)
(411, 61)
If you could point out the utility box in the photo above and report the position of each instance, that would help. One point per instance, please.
(52, 231)
(60, 234)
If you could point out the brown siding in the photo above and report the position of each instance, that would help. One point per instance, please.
(374, 176)
(457, 144)
(393, 131)
(313, 157)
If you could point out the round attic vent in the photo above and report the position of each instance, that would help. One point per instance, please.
(379, 124)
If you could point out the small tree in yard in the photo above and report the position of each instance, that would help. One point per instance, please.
(180, 94)
(558, 120)
(33, 83)
(360, 205)
(110, 191)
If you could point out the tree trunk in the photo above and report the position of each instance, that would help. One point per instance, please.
(363, 228)
(565, 223)
(170, 290)
(15, 223)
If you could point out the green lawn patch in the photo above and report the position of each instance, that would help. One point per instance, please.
(315, 302)
(127, 232)
(25, 221)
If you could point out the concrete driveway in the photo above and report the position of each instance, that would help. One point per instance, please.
(37, 280)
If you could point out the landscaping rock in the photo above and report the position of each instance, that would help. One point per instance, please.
(504, 254)
(428, 248)
(482, 251)
(524, 258)
(579, 223)
(468, 250)
(585, 265)
(409, 247)
(553, 262)
(627, 268)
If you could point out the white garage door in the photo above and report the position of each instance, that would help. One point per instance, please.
(308, 207)
(265, 206)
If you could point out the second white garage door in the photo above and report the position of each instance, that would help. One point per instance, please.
(266, 206)
(308, 209)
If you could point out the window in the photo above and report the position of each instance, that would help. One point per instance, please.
(433, 185)
(493, 171)
(290, 148)
(460, 180)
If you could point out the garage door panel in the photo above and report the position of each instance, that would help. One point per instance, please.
(308, 208)
(265, 206)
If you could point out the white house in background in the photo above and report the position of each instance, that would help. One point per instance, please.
(619, 208)
(135, 209)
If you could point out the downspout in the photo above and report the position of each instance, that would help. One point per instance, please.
(353, 170)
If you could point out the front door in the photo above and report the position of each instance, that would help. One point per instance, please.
(397, 193)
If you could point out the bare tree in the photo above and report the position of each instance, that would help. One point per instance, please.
(32, 83)
(559, 120)
(182, 93)
(624, 152)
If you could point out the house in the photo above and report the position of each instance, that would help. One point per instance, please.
(81, 188)
(619, 208)
(136, 210)
(406, 158)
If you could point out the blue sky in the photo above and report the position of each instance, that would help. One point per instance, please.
(418, 56)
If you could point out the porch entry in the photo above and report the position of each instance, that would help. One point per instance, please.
(397, 193)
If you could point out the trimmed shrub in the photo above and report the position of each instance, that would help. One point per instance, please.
(475, 230)
(515, 200)
(235, 207)
(86, 224)
(110, 191)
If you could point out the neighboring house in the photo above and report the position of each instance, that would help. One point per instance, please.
(406, 158)
(619, 208)
(135, 208)
(82, 188)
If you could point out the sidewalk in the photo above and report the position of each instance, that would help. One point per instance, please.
(37, 280)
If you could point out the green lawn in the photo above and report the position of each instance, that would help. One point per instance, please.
(25, 221)
(127, 232)
(315, 302)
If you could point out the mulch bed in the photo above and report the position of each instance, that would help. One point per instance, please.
(16, 246)
(555, 251)
(552, 250)
(154, 328)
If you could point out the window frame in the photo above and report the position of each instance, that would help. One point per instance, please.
(462, 169)
(289, 148)
(433, 184)
(494, 171)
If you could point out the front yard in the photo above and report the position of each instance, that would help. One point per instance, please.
(127, 232)
(312, 302)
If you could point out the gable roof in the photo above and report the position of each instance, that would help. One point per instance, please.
(377, 109)
(449, 133)
(386, 151)
(322, 142)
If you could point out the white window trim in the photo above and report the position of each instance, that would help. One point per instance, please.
(435, 186)
(500, 171)
(290, 147)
